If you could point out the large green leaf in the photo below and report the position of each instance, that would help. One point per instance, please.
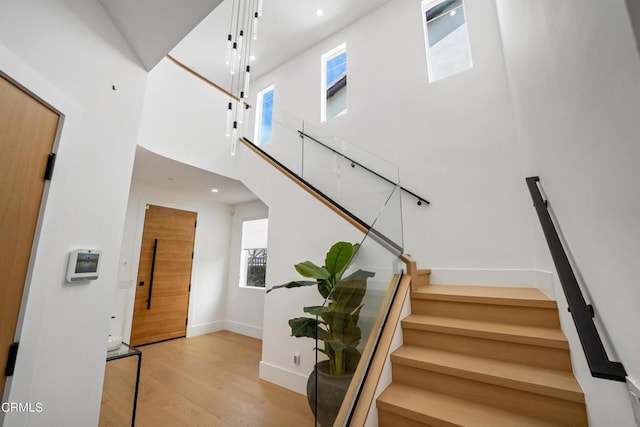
(317, 310)
(351, 359)
(338, 258)
(336, 345)
(352, 335)
(309, 269)
(296, 284)
(349, 292)
(324, 287)
(308, 328)
(303, 327)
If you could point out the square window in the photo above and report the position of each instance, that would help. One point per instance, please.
(447, 38)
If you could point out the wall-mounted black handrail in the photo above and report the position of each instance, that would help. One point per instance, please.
(354, 163)
(363, 224)
(599, 363)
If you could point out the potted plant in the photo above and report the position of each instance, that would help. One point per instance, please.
(335, 324)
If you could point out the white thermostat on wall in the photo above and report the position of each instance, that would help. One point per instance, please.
(84, 265)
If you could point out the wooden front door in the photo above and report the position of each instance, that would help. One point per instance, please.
(164, 275)
(27, 134)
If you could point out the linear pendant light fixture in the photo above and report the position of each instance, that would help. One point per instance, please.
(243, 30)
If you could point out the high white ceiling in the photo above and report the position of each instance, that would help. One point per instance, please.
(286, 28)
(154, 27)
(157, 171)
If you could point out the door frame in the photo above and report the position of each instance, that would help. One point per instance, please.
(43, 86)
(134, 261)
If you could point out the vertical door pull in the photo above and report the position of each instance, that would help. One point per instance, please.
(11, 359)
(153, 267)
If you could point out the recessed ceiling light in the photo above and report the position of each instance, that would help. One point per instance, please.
(214, 190)
(319, 12)
(252, 57)
(453, 13)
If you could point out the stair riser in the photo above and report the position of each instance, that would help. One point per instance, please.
(532, 404)
(423, 277)
(527, 316)
(534, 355)
(388, 419)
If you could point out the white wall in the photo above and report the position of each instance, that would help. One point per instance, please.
(184, 119)
(574, 77)
(245, 306)
(454, 140)
(300, 228)
(207, 300)
(69, 53)
(455, 143)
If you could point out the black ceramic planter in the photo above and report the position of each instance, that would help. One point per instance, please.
(329, 390)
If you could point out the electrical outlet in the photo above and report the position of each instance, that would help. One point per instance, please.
(634, 390)
(296, 358)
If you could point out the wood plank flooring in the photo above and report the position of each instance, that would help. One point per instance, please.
(209, 380)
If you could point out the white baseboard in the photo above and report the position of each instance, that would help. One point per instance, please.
(205, 328)
(283, 377)
(524, 278)
(544, 282)
(243, 329)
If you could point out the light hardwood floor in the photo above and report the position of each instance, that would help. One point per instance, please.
(209, 380)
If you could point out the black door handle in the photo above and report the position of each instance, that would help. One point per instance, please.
(153, 267)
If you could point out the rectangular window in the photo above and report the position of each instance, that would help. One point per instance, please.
(447, 37)
(264, 116)
(334, 83)
(253, 257)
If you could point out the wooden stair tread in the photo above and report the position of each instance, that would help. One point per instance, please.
(526, 297)
(548, 382)
(431, 408)
(547, 337)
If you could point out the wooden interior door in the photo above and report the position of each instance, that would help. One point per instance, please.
(27, 134)
(164, 275)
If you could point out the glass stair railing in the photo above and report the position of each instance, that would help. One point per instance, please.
(347, 324)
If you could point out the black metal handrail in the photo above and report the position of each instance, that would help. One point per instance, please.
(354, 163)
(582, 313)
(381, 237)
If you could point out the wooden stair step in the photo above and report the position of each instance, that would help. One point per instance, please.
(524, 297)
(422, 277)
(545, 337)
(430, 408)
(533, 379)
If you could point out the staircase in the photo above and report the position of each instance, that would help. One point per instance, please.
(481, 356)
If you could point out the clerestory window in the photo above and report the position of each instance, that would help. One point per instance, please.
(334, 83)
(447, 38)
(264, 116)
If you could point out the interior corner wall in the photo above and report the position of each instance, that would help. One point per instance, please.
(574, 75)
(207, 300)
(245, 306)
(69, 53)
